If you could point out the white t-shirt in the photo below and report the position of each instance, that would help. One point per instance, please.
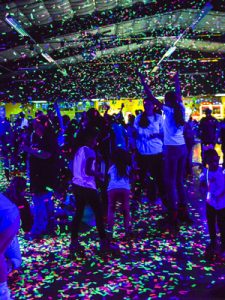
(173, 135)
(216, 187)
(144, 143)
(6, 204)
(24, 123)
(79, 166)
(116, 182)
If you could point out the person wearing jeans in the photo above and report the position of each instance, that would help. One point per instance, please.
(175, 163)
(85, 196)
(175, 152)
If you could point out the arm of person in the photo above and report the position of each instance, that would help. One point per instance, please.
(220, 191)
(177, 86)
(148, 91)
(203, 188)
(36, 152)
(89, 170)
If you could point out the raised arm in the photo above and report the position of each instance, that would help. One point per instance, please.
(148, 91)
(177, 86)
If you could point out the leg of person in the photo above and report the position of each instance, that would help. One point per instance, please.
(13, 255)
(81, 197)
(94, 201)
(125, 198)
(211, 221)
(49, 203)
(183, 214)
(157, 170)
(171, 162)
(202, 154)
(112, 197)
(6, 237)
(143, 168)
(40, 215)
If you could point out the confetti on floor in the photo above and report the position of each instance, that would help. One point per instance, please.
(152, 265)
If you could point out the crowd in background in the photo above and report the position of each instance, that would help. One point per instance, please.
(102, 160)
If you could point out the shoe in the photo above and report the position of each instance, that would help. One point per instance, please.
(129, 235)
(106, 246)
(210, 251)
(183, 215)
(75, 247)
(173, 224)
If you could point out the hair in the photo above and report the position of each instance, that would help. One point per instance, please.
(144, 121)
(83, 136)
(131, 119)
(121, 159)
(209, 154)
(172, 101)
(15, 189)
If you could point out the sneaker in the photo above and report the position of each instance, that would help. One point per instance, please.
(184, 216)
(106, 246)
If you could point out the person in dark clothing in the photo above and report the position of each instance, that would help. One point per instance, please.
(5, 141)
(222, 139)
(208, 130)
(43, 173)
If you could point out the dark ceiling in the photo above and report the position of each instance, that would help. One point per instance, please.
(97, 45)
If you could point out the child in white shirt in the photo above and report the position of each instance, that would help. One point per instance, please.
(119, 189)
(213, 179)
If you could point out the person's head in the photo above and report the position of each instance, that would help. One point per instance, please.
(171, 99)
(22, 115)
(41, 125)
(212, 159)
(208, 112)
(39, 113)
(92, 114)
(131, 119)
(89, 136)
(148, 107)
(121, 159)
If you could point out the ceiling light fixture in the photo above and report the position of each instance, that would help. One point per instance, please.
(16, 25)
(206, 9)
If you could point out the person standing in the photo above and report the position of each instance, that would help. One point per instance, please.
(43, 152)
(149, 145)
(208, 132)
(119, 189)
(213, 180)
(85, 173)
(175, 152)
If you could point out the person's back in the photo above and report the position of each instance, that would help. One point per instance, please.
(208, 129)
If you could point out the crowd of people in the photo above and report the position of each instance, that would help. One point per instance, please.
(104, 162)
